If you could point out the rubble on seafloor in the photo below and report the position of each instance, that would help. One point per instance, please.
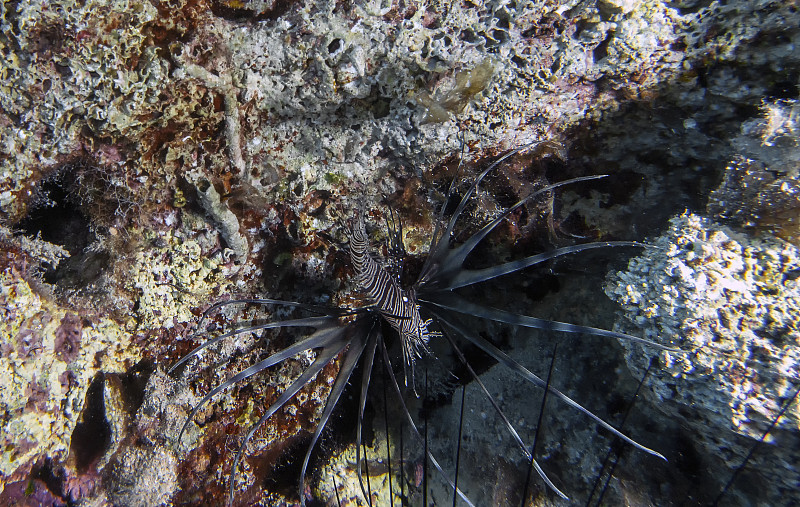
(730, 303)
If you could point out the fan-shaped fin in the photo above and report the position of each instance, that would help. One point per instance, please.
(453, 302)
(452, 261)
(439, 244)
(520, 370)
(306, 322)
(323, 337)
(366, 374)
(323, 358)
(358, 339)
(509, 426)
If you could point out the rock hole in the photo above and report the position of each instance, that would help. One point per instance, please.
(134, 382)
(334, 46)
(56, 216)
(519, 61)
(92, 435)
(783, 90)
(57, 219)
(601, 51)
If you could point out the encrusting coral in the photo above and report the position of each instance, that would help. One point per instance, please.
(205, 148)
(731, 303)
(45, 370)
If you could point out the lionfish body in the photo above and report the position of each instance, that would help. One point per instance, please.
(355, 336)
(397, 306)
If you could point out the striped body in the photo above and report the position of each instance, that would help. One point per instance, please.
(397, 306)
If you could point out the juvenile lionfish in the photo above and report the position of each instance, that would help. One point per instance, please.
(429, 309)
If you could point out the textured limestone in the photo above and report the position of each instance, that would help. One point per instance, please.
(319, 86)
(224, 219)
(730, 302)
(49, 357)
(760, 188)
(168, 278)
(291, 110)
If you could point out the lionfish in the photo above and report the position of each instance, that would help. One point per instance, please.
(429, 309)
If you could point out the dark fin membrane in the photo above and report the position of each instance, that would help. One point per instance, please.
(450, 301)
(322, 359)
(366, 375)
(509, 426)
(443, 273)
(445, 269)
(363, 334)
(327, 335)
(441, 239)
(331, 337)
(331, 312)
(359, 335)
(526, 374)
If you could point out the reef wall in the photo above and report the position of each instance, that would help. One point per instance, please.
(156, 157)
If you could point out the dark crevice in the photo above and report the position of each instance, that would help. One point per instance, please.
(283, 477)
(56, 216)
(92, 435)
(133, 385)
(601, 50)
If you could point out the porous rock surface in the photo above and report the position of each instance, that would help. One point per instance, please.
(195, 148)
(730, 303)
